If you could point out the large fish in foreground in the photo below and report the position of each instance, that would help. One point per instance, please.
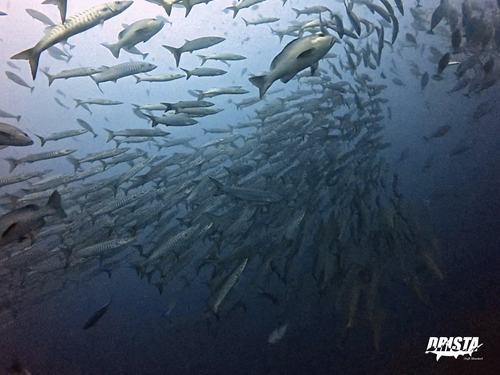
(73, 25)
(299, 54)
(12, 136)
(18, 225)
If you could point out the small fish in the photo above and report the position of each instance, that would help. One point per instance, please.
(38, 157)
(96, 316)
(61, 103)
(12, 65)
(410, 38)
(84, 124)
(203, 72)
(61, 135)
(277, 334)
(16, 79)
(439, 132)
(424, 81)
(456, 40)
(39, 16)
(194, 45)
(443, 62)
(437, 16)
(9, 115)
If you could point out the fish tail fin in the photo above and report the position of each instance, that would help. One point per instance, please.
(168, 106)
(188, 6)
(110, 134)
(261, 82)
(104, 165)
(74, 161)
(12, 163)
(235, 10)
(115, 187)
(218, 185)
(176, 52)
(188, 73)
(42, 139)
(246, 22)
(18, 118)
(55, 203)
(430, 32)
(203, 59)
(32, 55)
(32, 88)
(78, 102)
(49, 76)
(168, 9)
(155, 123)
(138, 79)
(118, 142)
(113, 47)
(193, 93)
(426, 138)
(99, 87)
(297, 12)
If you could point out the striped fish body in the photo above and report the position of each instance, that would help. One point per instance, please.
(73, 25)
(224, 290)
(123, 70)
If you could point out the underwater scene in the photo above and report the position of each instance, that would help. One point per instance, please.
(249, 187)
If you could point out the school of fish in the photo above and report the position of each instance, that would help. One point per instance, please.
(303, 178)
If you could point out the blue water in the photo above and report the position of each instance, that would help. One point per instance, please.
(455, 201)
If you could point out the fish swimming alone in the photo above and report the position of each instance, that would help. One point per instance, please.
(96, 316)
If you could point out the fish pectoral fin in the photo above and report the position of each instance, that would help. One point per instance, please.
(306, 54)
(288, 77)
(143, 32)
(314, 67)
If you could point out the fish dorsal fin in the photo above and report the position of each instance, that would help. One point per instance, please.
(54, 200)
(125, 25)
(306, 54)
(279, 57)
(9, 230)
(122, 34)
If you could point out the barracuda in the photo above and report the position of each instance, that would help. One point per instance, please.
(73, 25)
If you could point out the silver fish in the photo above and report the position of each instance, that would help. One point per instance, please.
(122, 70)
(139, 31)
(38, 157)
(73, 25)
(12, 136)
(193, 45)
(296, 56)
